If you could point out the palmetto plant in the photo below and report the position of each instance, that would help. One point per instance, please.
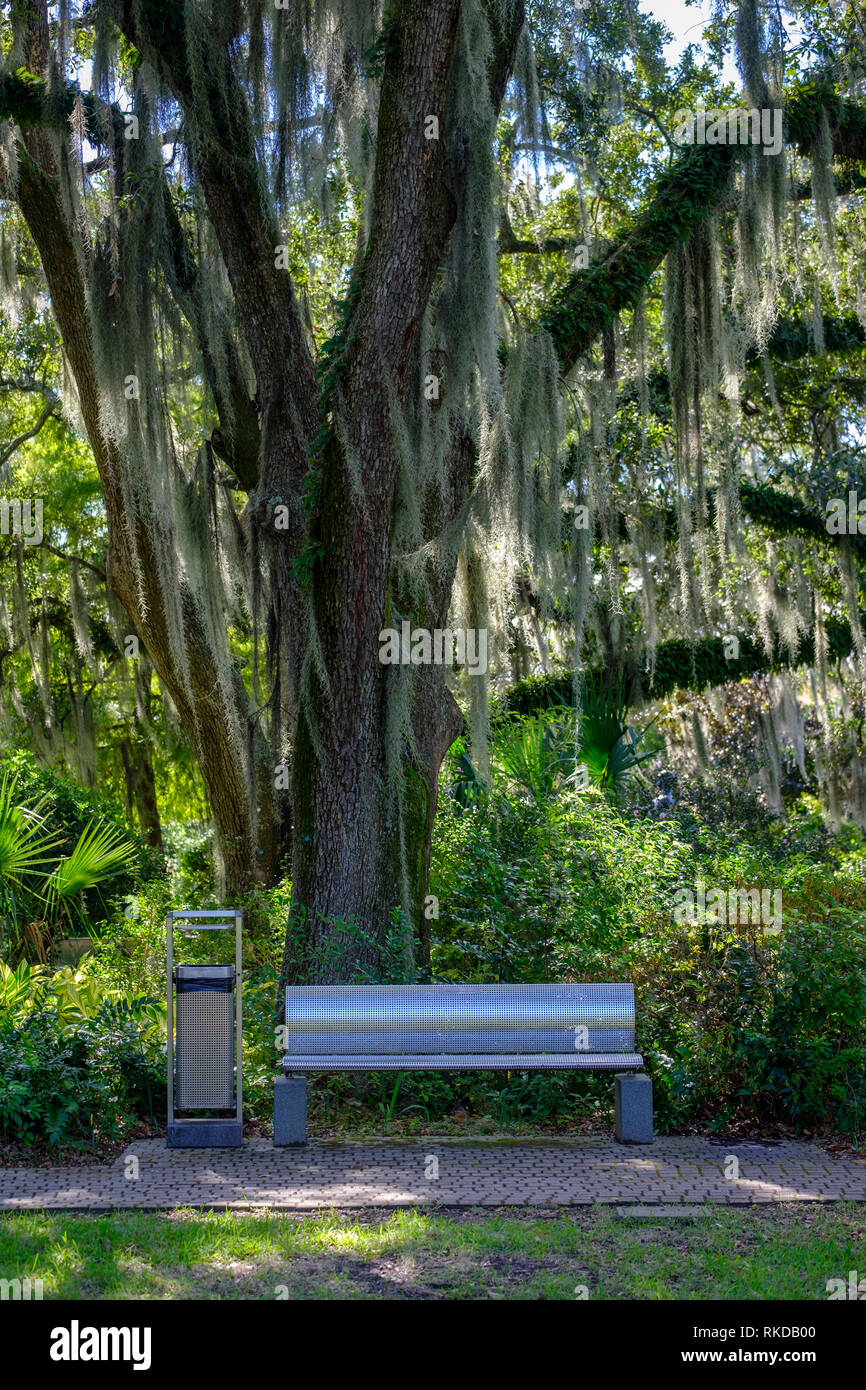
(538, 754)
(25, 860)
(466, 786)
(40, 889)
(534, 755)
(608, 746)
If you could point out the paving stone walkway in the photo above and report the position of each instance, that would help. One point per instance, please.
(445, 1172)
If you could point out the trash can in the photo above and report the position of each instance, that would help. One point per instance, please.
(203, 1038)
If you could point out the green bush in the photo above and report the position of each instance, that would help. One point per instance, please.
(811, 1061)
(75, 1063)
(735, 1024)
(72, 1089)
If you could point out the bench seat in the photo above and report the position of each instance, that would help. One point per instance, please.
(465, 1061)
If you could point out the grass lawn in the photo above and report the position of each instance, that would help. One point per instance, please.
(786, 1252)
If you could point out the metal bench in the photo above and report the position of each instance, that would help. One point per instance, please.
(572, 1027)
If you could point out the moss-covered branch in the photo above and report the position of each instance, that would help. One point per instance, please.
(781, 513)
(786, 516)
(26, 99)
(591, 299)
(770, 507)
(681, 199)
(681, 665)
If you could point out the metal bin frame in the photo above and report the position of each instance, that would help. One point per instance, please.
(198, 1132)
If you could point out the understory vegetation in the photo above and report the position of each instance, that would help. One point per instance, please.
(742, 1027)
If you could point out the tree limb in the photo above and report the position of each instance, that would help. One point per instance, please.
(681, 200)
(8, 450)
(682, 665)
(226, 163)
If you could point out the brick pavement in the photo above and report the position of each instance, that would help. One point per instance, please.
(442, 1172)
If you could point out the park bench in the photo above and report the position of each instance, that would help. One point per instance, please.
(563, 1027)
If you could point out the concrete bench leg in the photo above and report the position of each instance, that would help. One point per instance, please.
(633, 1107)
(290, 1110)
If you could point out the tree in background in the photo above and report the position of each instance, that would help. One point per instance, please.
(268, 486)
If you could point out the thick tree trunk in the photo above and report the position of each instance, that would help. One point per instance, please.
(361, 847)
(360, 853)
(349, 780)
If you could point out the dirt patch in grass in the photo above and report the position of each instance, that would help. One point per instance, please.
(421, 1276)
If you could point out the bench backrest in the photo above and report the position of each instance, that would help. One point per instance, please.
(327, 1020)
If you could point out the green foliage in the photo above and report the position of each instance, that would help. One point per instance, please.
(24, 98)
(537, 754)
(25, 849)
(786, 516)
(734, 1025)
(40, 889)
(465, 785)
(344, 945)
(385, 44)
(71, 1091)
(532, 756)
(811, 1060)
(76, 1062)
(608, 745)
(306, 560)
(68, 807)
(592, 299)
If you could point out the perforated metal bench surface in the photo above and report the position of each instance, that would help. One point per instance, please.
(561, 1027)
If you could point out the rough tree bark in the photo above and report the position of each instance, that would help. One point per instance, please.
(141, 789)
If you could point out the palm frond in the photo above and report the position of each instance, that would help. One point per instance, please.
(26, 856)
(99, 854)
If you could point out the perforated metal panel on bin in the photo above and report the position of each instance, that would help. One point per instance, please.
(205, 1041)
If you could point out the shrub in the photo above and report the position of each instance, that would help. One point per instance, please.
(75, 1063)
(733, 1023)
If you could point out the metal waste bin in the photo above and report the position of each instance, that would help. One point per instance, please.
(204, 1038)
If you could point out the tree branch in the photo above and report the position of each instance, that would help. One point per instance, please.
(227, 166)
(682, 198)
(681, 665)
(8, 450)
(75, 560)
(413, 206)
(508, 243)
(237, 412)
